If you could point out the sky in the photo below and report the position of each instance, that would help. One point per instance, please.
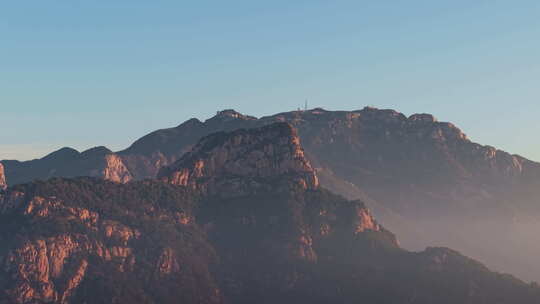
(88, 73)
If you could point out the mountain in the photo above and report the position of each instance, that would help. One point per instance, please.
(67, 162)
(276, 237)
(147, 155)
(422, 178)
(233, 163)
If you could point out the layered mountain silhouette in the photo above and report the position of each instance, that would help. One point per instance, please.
(67, 162)
(423, 179)
(241, 218)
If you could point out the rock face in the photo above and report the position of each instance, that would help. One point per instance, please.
(3, 183)
(115, 170)
(235, 162)
(67, 162)
(69, 249)
(50, 268)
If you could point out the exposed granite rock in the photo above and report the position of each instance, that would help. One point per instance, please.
(36, 264)
(49, 269)
(72, 246)
(3, 183)
(364, 221)
(229, 115)
(74, 281)
(115, 170)
(232, 163)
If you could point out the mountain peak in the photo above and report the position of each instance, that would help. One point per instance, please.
(423, 117)
(230, 114)
(63, 153)
(239, 161)
(190, 122)
(100, 150)
(381, 114)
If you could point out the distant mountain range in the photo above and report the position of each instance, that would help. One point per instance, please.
(240, 218)
(422, 178)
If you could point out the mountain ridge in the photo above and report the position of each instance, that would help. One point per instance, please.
(423, 178)
(272, 151)
(92, 240)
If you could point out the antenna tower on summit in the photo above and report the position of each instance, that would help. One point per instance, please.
(305, 106)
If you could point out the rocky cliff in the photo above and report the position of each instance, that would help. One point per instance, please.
(3, 183)
(114, 169)
(232, 163)
(65, 243)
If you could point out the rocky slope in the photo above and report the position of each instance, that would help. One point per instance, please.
(233, 163)
(422, 178)
(91, 241)
(3, 183)
(88, 240)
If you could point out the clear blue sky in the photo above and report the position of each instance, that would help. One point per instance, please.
(86, 73)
